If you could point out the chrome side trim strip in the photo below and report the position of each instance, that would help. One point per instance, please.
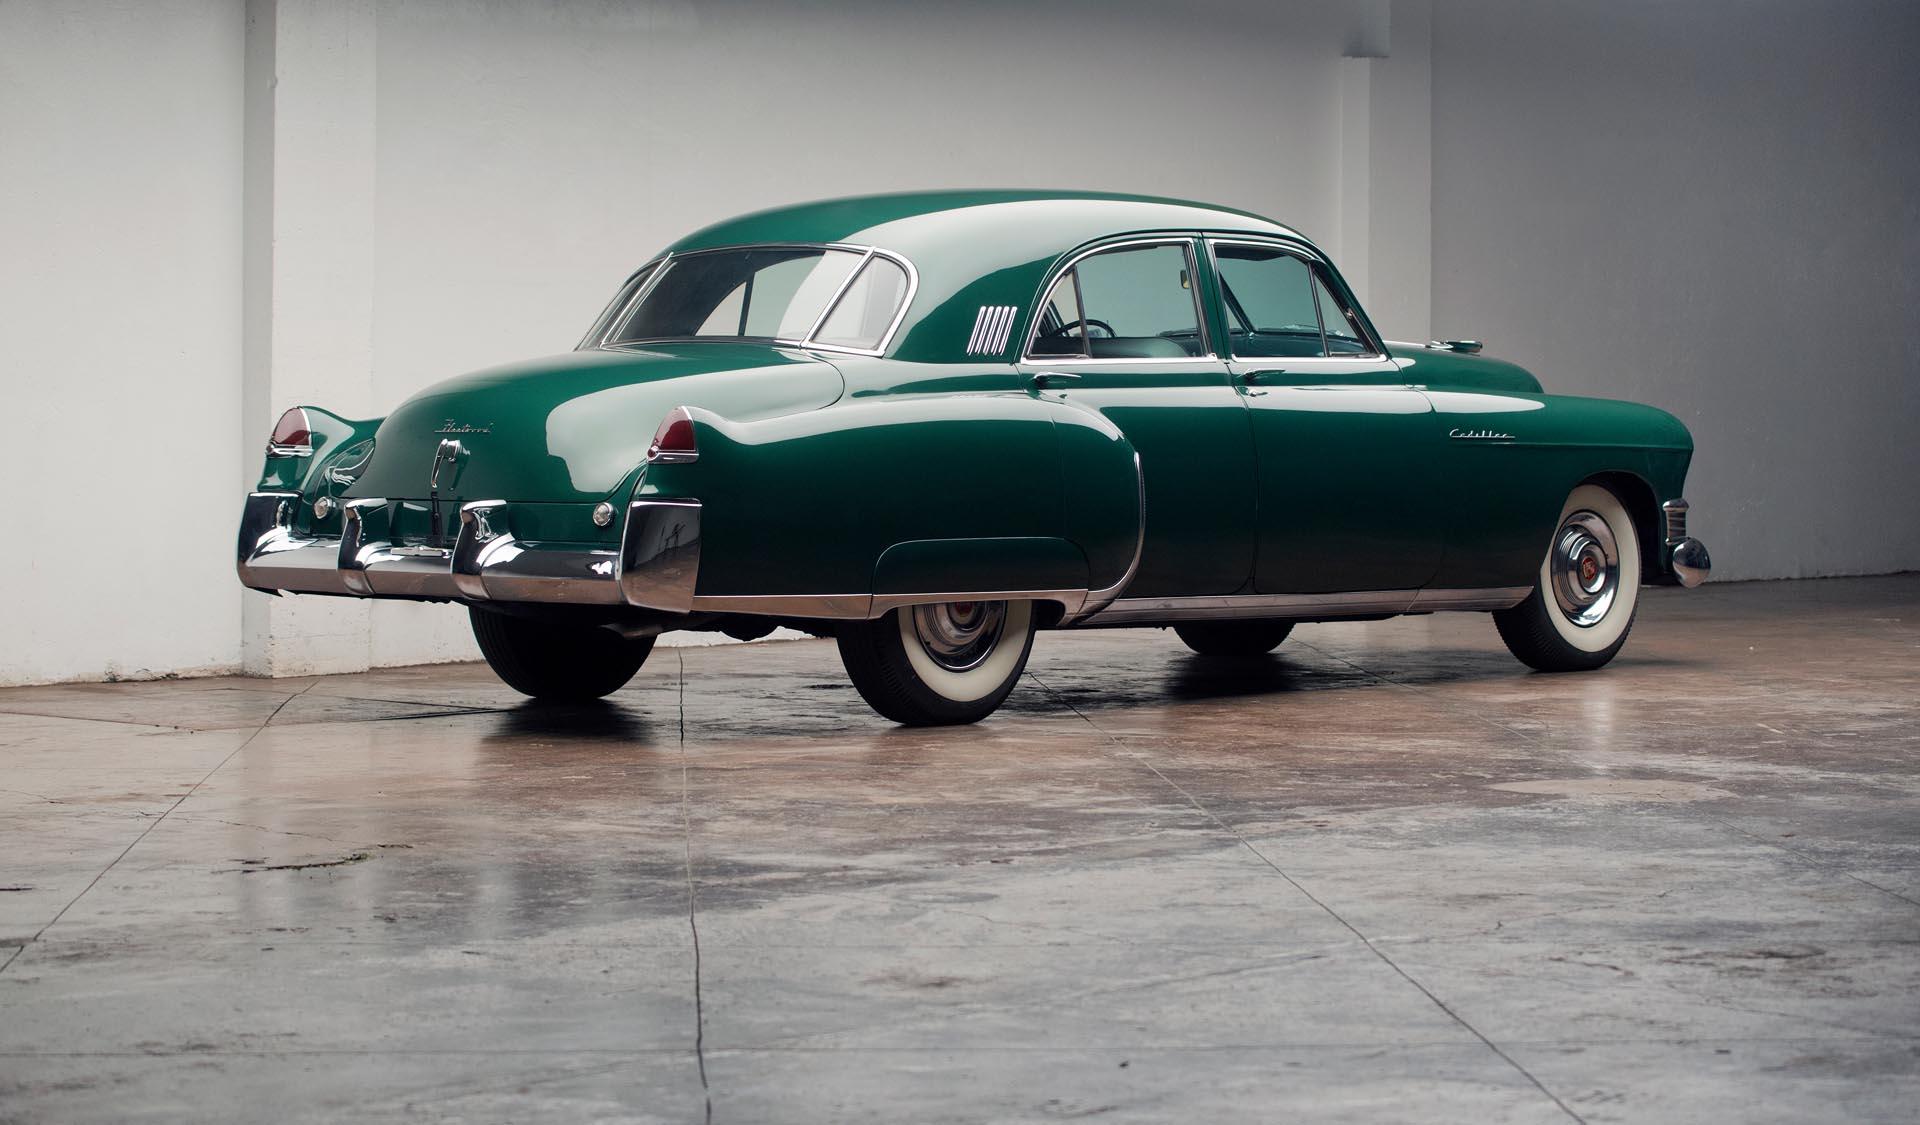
(1361, 603)
(1071, 599)
(867, 607)
(1493, 597)
(853, 607)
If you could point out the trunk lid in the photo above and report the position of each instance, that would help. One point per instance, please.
(570, 428)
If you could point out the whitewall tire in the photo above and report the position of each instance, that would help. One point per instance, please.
(930, 665)
(1586, 591)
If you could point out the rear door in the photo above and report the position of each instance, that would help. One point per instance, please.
(1122, 332)
(1343, 445)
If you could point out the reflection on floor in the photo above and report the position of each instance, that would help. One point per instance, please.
(1385, 875)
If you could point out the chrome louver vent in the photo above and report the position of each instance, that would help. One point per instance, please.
(990, 328)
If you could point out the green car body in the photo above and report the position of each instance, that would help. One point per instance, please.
(948, 461)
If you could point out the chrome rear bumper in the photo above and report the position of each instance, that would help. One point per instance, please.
(655, 567)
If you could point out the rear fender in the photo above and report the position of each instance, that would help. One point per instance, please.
(910, 495)
(341, 448)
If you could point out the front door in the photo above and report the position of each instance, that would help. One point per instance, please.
(1345, 448)
(1121, 333)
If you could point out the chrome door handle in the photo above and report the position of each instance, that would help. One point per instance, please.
(1044, 379)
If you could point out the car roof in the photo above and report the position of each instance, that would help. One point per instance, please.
(1028, 223)
(973, 250)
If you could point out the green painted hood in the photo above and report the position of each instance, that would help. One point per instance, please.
(572, 427)
(1434, 367)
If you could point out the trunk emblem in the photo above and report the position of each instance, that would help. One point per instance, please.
(452, 427)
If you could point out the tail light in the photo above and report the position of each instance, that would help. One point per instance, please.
(292, 435)
(673, 442)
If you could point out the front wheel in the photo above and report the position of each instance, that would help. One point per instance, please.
(1585, 595)
(557, 662)
(936, 665)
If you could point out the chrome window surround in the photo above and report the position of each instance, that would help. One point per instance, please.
(1053, 277)
(1316, 265)
(608, 325)
(622, 297)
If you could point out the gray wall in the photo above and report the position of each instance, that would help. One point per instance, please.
(120, 369)
(1713, 207)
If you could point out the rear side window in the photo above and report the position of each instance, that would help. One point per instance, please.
(1135, 302)
(865, 311)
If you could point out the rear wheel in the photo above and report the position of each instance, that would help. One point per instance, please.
(555, 661)
(934, 665)
(1586, 592)
(1233, 638)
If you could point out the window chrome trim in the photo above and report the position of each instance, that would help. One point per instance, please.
(659, 267)
(839, 292)
(603, 324)
(1186, 241)
(867, 254)
(1315, 261)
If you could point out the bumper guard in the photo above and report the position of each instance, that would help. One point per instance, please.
(1686, 556)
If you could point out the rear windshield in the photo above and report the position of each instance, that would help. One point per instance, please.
(768, 293)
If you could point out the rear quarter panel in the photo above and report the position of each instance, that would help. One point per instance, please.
(909, 493)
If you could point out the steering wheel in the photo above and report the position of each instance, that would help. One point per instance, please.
(1083, 325)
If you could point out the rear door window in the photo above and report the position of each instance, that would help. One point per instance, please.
(1132, 302)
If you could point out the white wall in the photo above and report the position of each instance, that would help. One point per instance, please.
(1706, 206)
(120, 149)
(1714, 207)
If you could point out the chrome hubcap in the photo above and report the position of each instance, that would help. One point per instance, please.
(959, 636)
(1585, 568)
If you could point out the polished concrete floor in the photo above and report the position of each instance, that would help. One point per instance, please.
(1387, 875)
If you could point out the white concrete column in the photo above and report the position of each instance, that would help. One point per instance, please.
(1385, 232)
(309, 274)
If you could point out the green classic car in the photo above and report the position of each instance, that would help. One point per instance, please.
(931, 424)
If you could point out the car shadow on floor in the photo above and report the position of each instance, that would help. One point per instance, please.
(601, 720)
(1189, 678)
